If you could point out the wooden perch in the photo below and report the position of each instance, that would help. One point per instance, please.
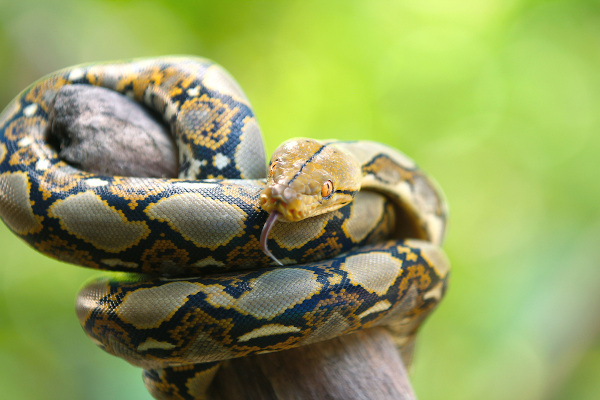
(363, 365)
(104, 132)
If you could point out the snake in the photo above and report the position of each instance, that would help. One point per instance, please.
(235, 256)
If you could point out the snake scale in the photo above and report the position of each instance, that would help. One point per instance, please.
(196, 287)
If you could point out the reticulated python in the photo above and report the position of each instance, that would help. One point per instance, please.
(374, 261)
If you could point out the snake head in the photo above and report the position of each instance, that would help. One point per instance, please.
(307, 178)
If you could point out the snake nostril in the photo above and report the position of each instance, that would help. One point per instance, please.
(277, 189)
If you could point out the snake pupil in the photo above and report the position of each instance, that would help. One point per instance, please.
(327, 189)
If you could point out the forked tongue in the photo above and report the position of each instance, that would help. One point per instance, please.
(264, 236)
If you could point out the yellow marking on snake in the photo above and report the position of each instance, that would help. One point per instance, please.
(159, 303)
(155, 344)
(249, 149)
(363, 217)
(26, 129)
(268, 330)
(379, 280)
(298, 235)
(378, 307)
(335, 279)
(208, 261)
(221, 222)
(436, 293)
(333, 326)
(95, 182)
(15, 204)
(104, 226)
(436, 257)
(203, 348)
(284, 287)
(207, 121)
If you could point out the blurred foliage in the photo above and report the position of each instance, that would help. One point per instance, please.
(498, 100)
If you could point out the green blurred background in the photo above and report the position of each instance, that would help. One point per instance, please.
(498, 100)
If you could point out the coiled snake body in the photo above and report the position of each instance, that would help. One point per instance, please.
(374, 261)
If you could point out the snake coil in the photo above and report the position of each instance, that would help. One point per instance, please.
(198, 289)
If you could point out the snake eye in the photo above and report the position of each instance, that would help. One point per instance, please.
(272, 168)
(327, 189)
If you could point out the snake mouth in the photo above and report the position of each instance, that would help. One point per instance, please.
(264, 236)
(288, 212)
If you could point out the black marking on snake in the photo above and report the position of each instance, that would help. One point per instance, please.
(316, 153)
(350, 192)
